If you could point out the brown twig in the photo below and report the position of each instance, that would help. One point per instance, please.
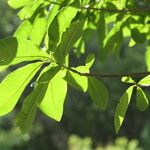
(147, 10)
(132, 74)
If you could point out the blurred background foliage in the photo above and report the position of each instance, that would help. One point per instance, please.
(84, 126)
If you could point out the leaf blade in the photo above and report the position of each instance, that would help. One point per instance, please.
(122, 108)
(141, 100)
(98, 92)
(25, 74)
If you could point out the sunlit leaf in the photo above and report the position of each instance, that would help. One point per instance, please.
(90, 60)
(53, 101)
(127, 79)
(23, 30)
(18, 3)
(19, 50)
(122, 108)
(141, 99)
(27, 114)
(145, 81)
(112, 42)
(15, 83)
(77, 81)
(69, 38)
(39, 29)
(59, 25)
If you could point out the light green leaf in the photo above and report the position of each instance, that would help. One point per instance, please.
(53, 101)
(59, 25)
(122, 108)
(98, 92)
(39, 29)
(77, 81)
(69, 38)
(18, 3)
(53, 12)
(14, 84)
(90, 60)
(27, 114)
(34, 31)
(23, 31)
(30, 9)
(33, 7)
(141, 100)
(127, 79)
(14, 50)
(145, 81)
(22, 13)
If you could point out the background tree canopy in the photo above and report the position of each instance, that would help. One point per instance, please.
(74, 52)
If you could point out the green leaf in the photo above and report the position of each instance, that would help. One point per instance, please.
(22, 13)
(27, 114)
(127, 80)
(30, 9)
(79, 47)
(59, 25)
(39, 29)
(35, 5)
(114, 39)
(141, 100)
(69, 38)
(14, 84)
(147, 57)
(52, 104)
(101, 28)
(145, 81)
(23, 31)
(98, 92)
(77, 81)
(14, 50)
(137, 36)
(53, 12)
(33, 31)
(18, 3)
(90, 60)
(122, 108)
(112, 42)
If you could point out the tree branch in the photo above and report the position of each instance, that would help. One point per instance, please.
(132, 74)
(88, 7)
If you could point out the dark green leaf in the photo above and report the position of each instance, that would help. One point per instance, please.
(147, 57)
(98, 92)
(137, 36)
